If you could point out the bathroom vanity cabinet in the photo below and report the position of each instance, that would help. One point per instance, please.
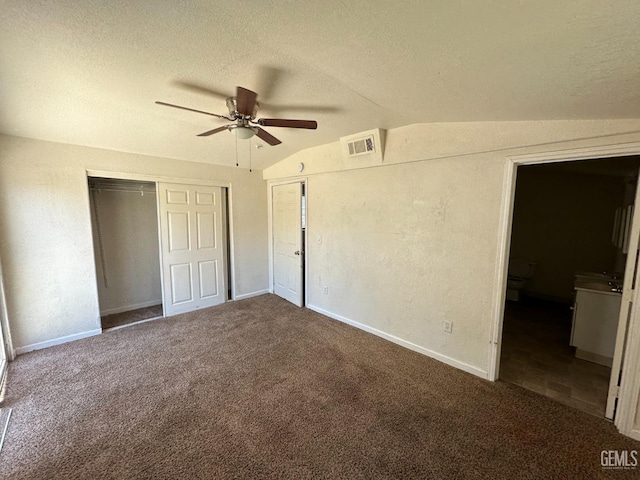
(595, 323)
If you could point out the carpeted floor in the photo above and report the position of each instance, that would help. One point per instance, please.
(261, 389)
(132, 316)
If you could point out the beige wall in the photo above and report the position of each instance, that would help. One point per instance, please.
(46, 243)
(563, 222)
(414, 241)
(402, 251)
(129, 230)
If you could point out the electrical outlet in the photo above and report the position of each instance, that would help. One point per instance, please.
(325, 290)
(447, 326)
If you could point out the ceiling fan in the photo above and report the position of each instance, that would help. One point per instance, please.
(242, 111)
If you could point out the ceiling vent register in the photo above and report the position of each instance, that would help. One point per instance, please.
(361, 146)
(365, 147)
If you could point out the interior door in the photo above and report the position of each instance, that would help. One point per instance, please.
(287, 242)
(626, 307)
(192, 246)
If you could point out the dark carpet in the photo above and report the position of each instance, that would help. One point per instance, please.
(262, 389)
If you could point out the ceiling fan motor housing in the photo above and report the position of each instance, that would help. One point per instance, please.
(243, 109)
(232, 105)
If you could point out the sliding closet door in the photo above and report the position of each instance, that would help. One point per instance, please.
(192, 247)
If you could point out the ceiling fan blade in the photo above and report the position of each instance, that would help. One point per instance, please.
(245, 101)
(281, 122)
(267, 137)
(191, 110)
(211, 132)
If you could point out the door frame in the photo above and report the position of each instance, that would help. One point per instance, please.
(5, 333)
(185, 181)
(630, 384)
(305, 275)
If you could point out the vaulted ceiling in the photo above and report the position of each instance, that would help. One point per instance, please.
(88, 72)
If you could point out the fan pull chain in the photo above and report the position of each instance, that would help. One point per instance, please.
(236, 149)
(250, 153)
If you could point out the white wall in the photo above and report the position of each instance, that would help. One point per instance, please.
(389, 236)
(129, 231)
(46, 243)
(414, 241)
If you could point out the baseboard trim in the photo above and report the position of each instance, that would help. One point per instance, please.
(252, 294)
(57, 341)
(594, 358)
(5, 416)
(111, 311)
(635, 434)
(119, 327)
(404, 343)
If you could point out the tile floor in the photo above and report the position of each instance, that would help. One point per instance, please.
(536, 355)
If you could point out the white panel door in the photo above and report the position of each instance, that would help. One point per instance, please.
(287, 242)
(192, 247)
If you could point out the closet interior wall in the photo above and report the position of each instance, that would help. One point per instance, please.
(125, 236)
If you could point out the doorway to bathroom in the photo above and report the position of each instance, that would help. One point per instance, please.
(568, 256)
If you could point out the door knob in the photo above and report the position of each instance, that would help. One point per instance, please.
(297, 252)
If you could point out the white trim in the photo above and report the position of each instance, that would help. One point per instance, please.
(270, 185)
(4, 425)
(502, 266)
(404, 343)
(57, 341)
(126, 308)
(154, 178)
(252, 294)
(584, 153)
(231, 240)
(635, 434)
(120, 327)
(160, 248)
(630, 383)
(626, 408)
(10, 352)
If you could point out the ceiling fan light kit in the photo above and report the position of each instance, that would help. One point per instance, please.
(243, 132)
(243, 109)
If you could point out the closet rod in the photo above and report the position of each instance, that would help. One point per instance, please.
(134, 190)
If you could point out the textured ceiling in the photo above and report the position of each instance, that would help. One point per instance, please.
(88, 72)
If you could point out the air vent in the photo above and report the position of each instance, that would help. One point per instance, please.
(364, 148)
(361, 146)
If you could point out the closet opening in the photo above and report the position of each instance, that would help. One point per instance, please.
(124, 218)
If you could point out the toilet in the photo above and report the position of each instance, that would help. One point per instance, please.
(520, 272)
